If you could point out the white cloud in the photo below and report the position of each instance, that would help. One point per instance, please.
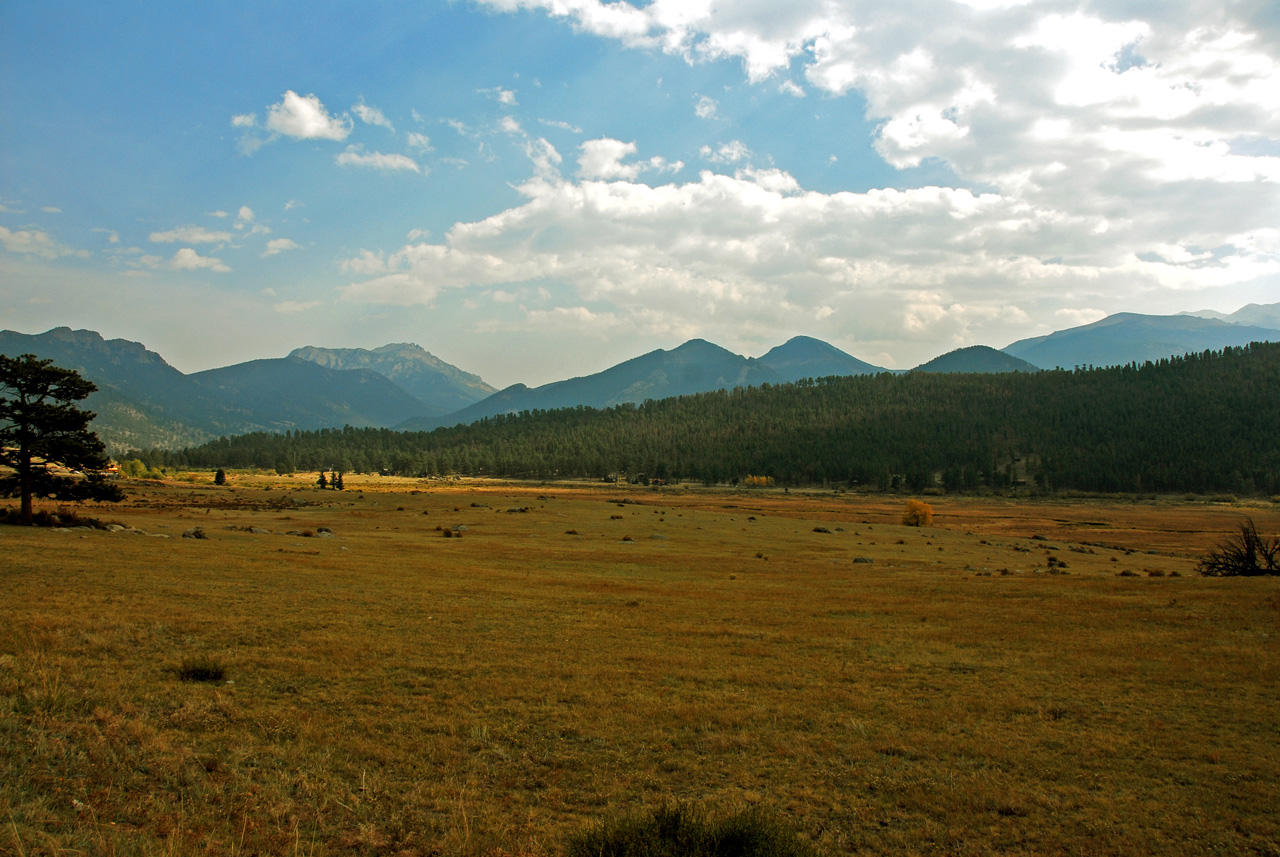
(706, 107)
(113, 237)
(245, 213)
(354, 156)
(500, 95)
(1111, 133)
(36, 242)
(511, 126)
(740, 256)
(563, 126)
(191, 235)
(421, 142)
(726, 153)
(244, 120)
(790, 87)
(187, 259)
(51, 209)
(602, 159)
(372, 116)
(218, 213)
(367, 263)
(303, 117)
(279, 245)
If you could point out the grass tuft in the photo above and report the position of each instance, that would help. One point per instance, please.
(682, 830)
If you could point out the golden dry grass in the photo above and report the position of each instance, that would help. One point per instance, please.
(393, 691)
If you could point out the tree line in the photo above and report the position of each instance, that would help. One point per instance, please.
(1203, 422)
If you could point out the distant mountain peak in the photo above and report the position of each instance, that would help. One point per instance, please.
(441, 386)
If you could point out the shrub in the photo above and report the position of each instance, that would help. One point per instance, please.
(201, 668)
(684, 831)
(1245, 554)
(917, 514)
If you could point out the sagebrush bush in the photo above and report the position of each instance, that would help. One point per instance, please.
(1246, 554)
(201, 668)
(682, 830)
(917, 514)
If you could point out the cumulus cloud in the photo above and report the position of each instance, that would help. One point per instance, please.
(603, 159)
(372, 116)
(502, 96)
(1134, 149)
(563, 126)
(279, 245)
(35, 242)
(191, 235)
(355, 156)
(755, 251)
(187, 259)
(706, 107)
(421, 142)
(726, 153)
(304, 117)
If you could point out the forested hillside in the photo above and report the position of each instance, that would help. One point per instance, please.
(1203, 422)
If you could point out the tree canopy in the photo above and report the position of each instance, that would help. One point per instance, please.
(1203, 423)
(42, 432)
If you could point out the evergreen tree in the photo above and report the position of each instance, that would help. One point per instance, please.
(41, 428)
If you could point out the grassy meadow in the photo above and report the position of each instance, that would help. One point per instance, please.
(1020, 677)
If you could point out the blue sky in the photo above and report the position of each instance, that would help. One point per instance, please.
(533, 189)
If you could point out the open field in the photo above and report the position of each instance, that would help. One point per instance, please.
(990, 684)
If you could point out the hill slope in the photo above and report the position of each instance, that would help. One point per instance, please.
(695, 367)
(976, 358)
(291, 393)
(1130, 337)
(806, 357)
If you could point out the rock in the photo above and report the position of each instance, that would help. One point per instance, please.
(325, 534)
(195, 533)
(863, 559)
(114, 528)
(259, 531)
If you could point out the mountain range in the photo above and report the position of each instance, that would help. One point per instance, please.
(142, 401)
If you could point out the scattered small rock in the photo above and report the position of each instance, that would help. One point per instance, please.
(195, 533)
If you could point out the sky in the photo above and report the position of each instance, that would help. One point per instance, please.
(538, 189)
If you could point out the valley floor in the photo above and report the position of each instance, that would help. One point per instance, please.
(1021, 677)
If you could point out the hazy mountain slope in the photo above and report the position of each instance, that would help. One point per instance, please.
(142, 401)
(289, 392)
(1128, 337)
(976, 358)
(806, 357)
(1257, 315)
(695, 367)
(442, 387)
